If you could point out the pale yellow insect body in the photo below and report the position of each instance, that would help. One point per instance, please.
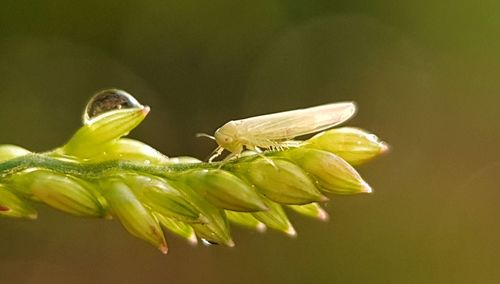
(272, 131)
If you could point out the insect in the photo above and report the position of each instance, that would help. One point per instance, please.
(274, 131)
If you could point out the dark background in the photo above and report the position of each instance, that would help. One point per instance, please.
(425, 75)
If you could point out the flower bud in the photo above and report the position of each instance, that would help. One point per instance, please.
(246, 220)
(177, 227)
(354, 145)
(8, 152)
(275, 218)
(13, 206)
(93, 138)
(215, 228)
(281, 181)
(132, 150)
(311, 210)
(224, 190)
(164, 198)
(136, 219)
(332, 173)
(62, 192)
(215, 233)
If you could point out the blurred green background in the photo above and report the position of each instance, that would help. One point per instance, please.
(425, 75)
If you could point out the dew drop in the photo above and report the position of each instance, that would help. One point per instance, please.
(208, 243)
(108, 100)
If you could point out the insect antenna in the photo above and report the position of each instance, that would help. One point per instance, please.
(198, 135)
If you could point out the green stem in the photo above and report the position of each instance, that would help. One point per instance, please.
(92, 170)
(103, 169)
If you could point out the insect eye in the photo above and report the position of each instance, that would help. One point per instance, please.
(228, 139)
(108, 100)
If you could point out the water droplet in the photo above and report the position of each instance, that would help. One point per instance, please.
(208, 243)
(108, 100)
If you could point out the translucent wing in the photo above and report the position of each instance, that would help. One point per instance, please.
(290, 124)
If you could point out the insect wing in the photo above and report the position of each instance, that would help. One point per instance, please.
(290, 124)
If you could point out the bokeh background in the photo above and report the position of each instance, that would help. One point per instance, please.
(426, 77)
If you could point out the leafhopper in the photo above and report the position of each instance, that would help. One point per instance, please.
(274, 131)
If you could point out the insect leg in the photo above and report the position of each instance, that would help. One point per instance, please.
(232, 156)
(216, 153)
(284, 145)
(255, 149)
(291, 144)
(260, 154)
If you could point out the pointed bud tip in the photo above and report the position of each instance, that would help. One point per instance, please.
(324, 198)
(192, 240)
(163, 248)
(145, 110)
(366, 188)
(230, 243)
(291, 231)
(323, 215)
(384, 148)
(261, 227)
